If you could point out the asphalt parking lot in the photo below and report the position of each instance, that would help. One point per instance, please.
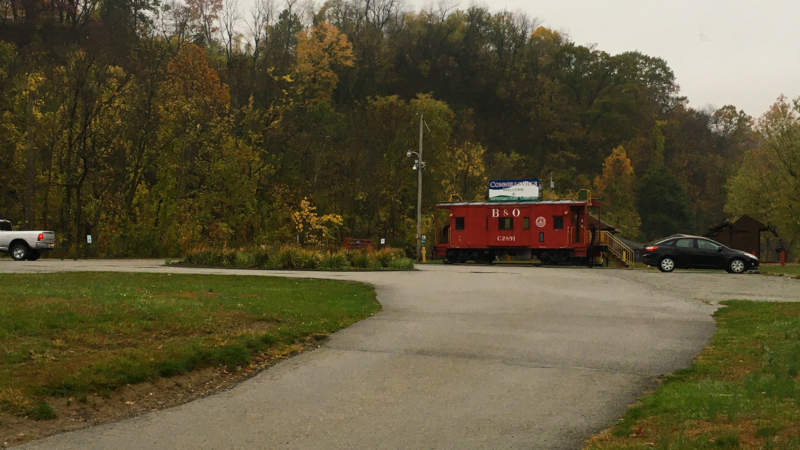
(461, 356)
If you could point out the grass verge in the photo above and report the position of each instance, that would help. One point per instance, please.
(775, 269)
(73, 334)
(742, 391)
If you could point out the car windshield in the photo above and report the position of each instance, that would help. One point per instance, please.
(5, 225)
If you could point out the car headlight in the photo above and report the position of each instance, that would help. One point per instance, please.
(751, 255)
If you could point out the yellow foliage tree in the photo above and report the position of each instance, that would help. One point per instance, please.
(320, 51)
(615, 186)
(313, 229)
(464, 178)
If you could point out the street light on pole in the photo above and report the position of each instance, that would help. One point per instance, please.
(419, 164)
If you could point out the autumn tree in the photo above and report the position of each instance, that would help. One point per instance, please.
(616, 189)
(463, 178)
(314, 229)
(78, 129)
(15, 111)
(204, 14)
(207, 178)
(321, 51)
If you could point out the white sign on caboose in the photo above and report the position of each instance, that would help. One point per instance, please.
(513, 190)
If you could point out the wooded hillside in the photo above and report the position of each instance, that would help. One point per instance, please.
(158, 128)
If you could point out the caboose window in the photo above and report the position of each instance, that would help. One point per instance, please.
(526, 223)
(505, 223)
(541, 236)
(558, 222)
(459, 223)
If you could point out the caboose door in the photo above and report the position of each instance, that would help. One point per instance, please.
(577, 225)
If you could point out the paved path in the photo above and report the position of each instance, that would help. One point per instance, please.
(460, 357)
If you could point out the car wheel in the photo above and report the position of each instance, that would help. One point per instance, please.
(19, 251)
(666, 264)
(736, 266)
(34, 255)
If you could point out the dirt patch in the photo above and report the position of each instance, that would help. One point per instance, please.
(744, 430)
(132, 400)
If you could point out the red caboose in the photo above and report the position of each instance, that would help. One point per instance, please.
(554, 231)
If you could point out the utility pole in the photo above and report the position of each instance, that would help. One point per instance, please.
(420, 165)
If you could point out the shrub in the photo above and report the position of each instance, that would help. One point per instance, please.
(309, 259)
(261, 258)
(384, 257)
(42, 411)
(334, 261)
(296, 258)
(204, 257)
(292, 257)
(374, 262)
(14, 401)
(233, 356)
(401, 264)
(358, 259)
(229, 257)
(244, 258)
(387, 255)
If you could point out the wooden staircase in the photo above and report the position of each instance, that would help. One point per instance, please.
(616, 247)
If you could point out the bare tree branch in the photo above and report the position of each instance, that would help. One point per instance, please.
(228, 21)
(261, 15)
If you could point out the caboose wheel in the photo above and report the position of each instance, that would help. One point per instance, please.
(486, 258)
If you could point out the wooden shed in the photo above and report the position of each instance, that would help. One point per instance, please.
(742, 234)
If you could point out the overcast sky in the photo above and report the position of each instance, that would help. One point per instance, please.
(744, 53)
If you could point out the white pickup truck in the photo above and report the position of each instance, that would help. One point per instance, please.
(25, 244)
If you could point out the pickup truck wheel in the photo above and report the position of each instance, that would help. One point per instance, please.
(19, 251)
(34, 255)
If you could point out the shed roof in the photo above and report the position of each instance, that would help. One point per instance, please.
(739, 223)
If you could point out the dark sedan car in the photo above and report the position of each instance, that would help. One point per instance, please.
(697, 252)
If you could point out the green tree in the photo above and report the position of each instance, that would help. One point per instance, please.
(661, 202)
(768, 180)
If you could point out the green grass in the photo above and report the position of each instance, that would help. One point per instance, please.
(742, 391)
(69, 334)
(791, 269)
